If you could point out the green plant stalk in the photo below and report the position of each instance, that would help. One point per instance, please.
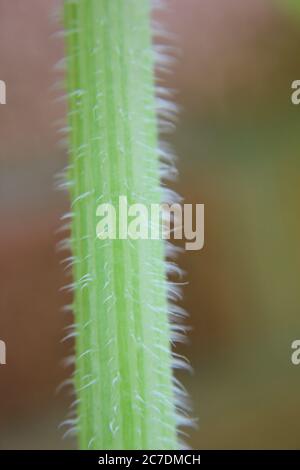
(123, 376)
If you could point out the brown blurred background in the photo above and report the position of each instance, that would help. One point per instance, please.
(238, 143)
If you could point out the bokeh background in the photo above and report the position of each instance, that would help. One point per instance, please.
(238, 142)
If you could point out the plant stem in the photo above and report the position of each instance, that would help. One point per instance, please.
(123, 377)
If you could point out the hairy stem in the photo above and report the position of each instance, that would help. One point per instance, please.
(123, 376)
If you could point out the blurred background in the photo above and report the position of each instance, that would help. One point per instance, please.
(238, 142)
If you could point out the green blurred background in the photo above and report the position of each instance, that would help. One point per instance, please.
(238, 142)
